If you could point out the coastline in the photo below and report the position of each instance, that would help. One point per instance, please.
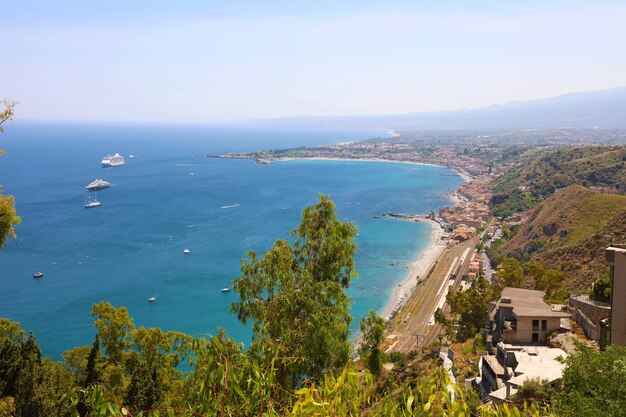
(425, 259)
(314, 158)
(420, 266)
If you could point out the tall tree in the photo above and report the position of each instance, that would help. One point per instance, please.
(468, 308)
(8, 216)
(295, 293)
(511, 274)
(91, 371)
(28, 402)
(144, 391)
(114, 330)
(373, 333)
(11, 340)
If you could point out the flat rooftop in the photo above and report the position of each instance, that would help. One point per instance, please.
(537, 362)
(527, 303)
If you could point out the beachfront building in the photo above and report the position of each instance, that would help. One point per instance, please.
(616, 259)
(522, 316)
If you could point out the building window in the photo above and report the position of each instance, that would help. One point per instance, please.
(535, 325)
(544, 325)
(535, 337)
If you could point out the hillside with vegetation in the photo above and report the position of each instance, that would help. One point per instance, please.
(569, 231)
(522, 187)
(294, 296)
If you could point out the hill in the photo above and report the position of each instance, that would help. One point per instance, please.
(540, 175)
(569, 230)
(606, 108)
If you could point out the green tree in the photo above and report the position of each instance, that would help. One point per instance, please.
(11, 340)
(548, 280)
(593, 383)
(8, 216)
(511, 274)
(295, 294)
(114, 330)
(145, 390)
(92, 372)
(28, 401)
(601, 289)
(468, 308)
(373, 333)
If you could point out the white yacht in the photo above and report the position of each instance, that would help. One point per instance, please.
(98, 184)
(225, 289)
(186, 251)
(91, 199)
(92, 204)
(151, 299)
(112, 160)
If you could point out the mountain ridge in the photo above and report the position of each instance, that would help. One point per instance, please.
(602, 108)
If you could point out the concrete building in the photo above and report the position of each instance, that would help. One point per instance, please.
(502, 374)
(522, 316)
(616, 259)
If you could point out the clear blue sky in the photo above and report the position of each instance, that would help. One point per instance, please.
(204, 61)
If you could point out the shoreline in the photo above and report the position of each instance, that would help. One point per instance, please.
(420, 266)
(425, 259)
(320, 158)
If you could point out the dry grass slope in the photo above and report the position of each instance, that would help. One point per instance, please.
(568, 231)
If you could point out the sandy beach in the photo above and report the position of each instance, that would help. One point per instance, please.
(460, 174)
(419, 267)
(428, 257)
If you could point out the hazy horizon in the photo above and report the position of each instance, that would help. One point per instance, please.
(215, 63)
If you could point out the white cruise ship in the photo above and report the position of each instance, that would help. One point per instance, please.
(112, 161)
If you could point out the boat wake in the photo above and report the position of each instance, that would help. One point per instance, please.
(231, 206)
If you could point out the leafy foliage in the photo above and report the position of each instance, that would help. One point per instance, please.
(468, 309)
(8, 216)
(593, 383)
(511, 274)
(601, 289)
(537, 391)
(373, 333)
(295, 294)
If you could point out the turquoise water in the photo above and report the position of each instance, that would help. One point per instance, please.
(131, 248)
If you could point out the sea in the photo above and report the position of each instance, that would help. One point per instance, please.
(169, 196)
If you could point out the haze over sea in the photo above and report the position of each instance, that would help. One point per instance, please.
(131, 248)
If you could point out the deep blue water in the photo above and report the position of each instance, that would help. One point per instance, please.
(131, 248)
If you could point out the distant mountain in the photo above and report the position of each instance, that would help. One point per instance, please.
(605, 109)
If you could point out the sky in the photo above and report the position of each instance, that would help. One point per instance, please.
(211, 61)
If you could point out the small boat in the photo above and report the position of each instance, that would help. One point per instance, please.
(93, 204)
(186, 251)
(151, 299)
(91, 199)
(191, 174)
(38, 274)
(225, 289)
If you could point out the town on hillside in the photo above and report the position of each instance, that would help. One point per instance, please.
(500, 229)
